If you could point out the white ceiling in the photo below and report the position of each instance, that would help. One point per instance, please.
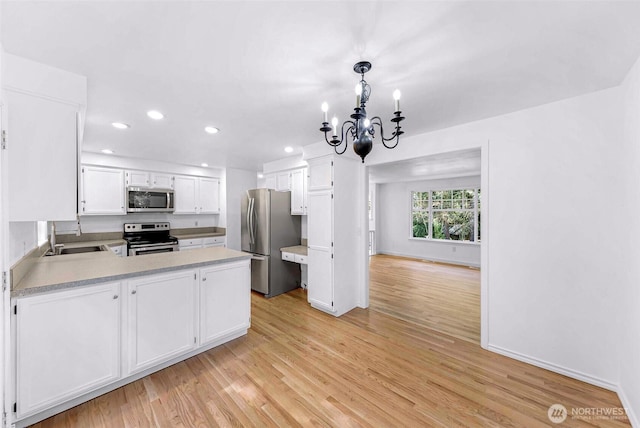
(260, 70)
(463, 163)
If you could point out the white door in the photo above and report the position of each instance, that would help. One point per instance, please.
(103, 191)
(320, 279)
(185, 194)
(137, 178)
(67, 344)
(320, 219)
(162, 318)
(209, 196)
(225, 300)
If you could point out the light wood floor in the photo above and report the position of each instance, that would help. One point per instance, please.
(300, 367)
(438, 296)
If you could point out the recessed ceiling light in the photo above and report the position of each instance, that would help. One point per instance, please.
(211, 129)
(107, 151)
(120, 125)
(260, 175)
(155, 114)
(204, 165)
(288, 149)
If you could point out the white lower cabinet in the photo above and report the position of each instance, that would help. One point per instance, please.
(67, 344)
(71, 343)
(162, 318)
(225, 300)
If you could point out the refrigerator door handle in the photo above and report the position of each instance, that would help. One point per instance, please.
(253, 221)
(258, 258)
(249, 221)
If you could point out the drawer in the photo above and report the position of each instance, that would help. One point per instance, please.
(190, 242)
(290, 257)
(300, 259)
(216, 241)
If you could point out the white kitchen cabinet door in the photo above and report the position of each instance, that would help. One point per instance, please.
(320, 219)
(137, 178)
(299, 191)
(209, 192)
(42, 149)
(320, 279)
(320, 174)
(225, 300)
(283, 181)
(161, 318)
(161, 181)
(186, 194)
(67, 344)
(103, 191)
(270, 181)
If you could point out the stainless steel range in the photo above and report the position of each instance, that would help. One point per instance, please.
(149, 238)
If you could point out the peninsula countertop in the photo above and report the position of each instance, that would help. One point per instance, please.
(75, 270)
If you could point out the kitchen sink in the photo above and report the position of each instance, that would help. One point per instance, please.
(78, 250)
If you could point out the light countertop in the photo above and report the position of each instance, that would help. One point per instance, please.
(296, 249)
(75, 270)
(197, 235)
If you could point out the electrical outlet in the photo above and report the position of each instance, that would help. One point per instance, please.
(454, 249)
(196, 223)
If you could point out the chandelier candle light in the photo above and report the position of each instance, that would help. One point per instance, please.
(361, 128)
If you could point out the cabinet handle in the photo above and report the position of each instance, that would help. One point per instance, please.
(204, 279)
(115, 297)
(133, 291)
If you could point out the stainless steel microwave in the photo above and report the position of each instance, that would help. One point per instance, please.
(141, 199)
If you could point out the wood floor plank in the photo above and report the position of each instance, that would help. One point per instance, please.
(411, 359)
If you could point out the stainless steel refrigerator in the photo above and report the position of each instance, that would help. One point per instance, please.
(267, 225)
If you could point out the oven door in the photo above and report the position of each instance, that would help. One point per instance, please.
(153, 249)
(149, 200)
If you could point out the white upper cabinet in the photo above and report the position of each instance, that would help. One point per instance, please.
(44, 110)
(299, 191)
(102, 191)
(270, 181)
(196, 195)
(138, 178)
(321, 176)
(283, 181)
(154, 180)
(186, 194)
(209, 192)
(161, 181)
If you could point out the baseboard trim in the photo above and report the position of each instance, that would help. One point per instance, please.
(633, 419)
(593, 380)
(432, 259)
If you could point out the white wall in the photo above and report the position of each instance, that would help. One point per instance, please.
(238, 182)
(630, 298)
(393, 223)
(22, 239)
(553, 260)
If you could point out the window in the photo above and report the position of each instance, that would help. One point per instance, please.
(446, 214)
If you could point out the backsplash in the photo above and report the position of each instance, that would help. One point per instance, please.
(101, 224)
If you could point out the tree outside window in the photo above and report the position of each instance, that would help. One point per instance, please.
(446, 215)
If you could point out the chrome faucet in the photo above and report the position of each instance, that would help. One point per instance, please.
(52, 237)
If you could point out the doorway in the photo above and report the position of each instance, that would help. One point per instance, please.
(429, 277)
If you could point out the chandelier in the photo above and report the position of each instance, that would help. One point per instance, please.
(361, 128)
